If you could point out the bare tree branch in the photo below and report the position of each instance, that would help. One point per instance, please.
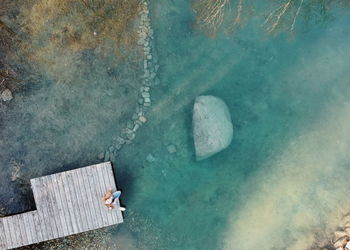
(210, 13)
(296, 15)
(275, 18)
(239, 12)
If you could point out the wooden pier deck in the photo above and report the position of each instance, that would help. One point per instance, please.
(67, 203)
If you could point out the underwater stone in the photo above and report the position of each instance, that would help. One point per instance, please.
(147, 49)
(140, 42)
(130, 136)
(111, 156)
(146, 75)
(145, 88)
(129, 124)
(156, 81)
(156, 67)
(134, 116)
(171, 149)
(106, 156)
(6, 95)
(142, 119)
(101, 155)
(136, 127)
(212, 126)
(145, 95)
(137, 109)
(339, 234)
(150, 158)
(147, 100)
(147, 83)
(120, 140)
(118, 146)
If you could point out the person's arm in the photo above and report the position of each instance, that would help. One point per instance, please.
(107, 196)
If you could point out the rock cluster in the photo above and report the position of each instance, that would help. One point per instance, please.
(212, 126)
(342, 236)
(149, 79)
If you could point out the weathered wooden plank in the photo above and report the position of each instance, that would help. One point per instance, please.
(104, 172)
(16, 232)
(86, 186)
(111, 179)
(109, 182)
(102, 188)
(31, 225)
(81, 201)
(7, 231)
(64, 203)
(27, 228)
(96, 201)
(112, 215)
(42, 218)
(61, 216)
(3, 242)
(52, 206)
(39, 227)
(23, 229)
(10, 224)
(31, 230)
(46, 210)
(74, 189)
(36, 229)
(87, 199)
(19, 237)
(69, 204)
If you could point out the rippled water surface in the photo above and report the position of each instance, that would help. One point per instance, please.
(280, 183)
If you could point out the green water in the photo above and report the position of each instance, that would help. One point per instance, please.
(275, 187)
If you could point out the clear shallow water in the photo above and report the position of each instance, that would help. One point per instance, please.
(283, 178)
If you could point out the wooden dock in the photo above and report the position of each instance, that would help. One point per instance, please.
(67, 203)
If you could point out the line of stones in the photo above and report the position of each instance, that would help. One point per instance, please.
(149, 79)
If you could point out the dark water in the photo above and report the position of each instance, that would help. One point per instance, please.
(277, 186)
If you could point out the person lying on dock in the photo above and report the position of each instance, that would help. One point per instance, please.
(110, 199)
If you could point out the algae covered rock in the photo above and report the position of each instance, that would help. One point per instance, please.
(212, 126)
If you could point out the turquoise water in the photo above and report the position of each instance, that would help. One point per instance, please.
(282, 182)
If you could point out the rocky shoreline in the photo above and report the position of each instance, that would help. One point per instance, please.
(149, 80)
(342, 235)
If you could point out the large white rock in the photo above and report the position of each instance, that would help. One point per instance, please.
(212, 126)
(6, 95)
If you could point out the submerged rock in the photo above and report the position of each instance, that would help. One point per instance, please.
(212, 126)
(107, 156)
(101, 156)
(150, 158)
(171, 149)
(6, 95)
